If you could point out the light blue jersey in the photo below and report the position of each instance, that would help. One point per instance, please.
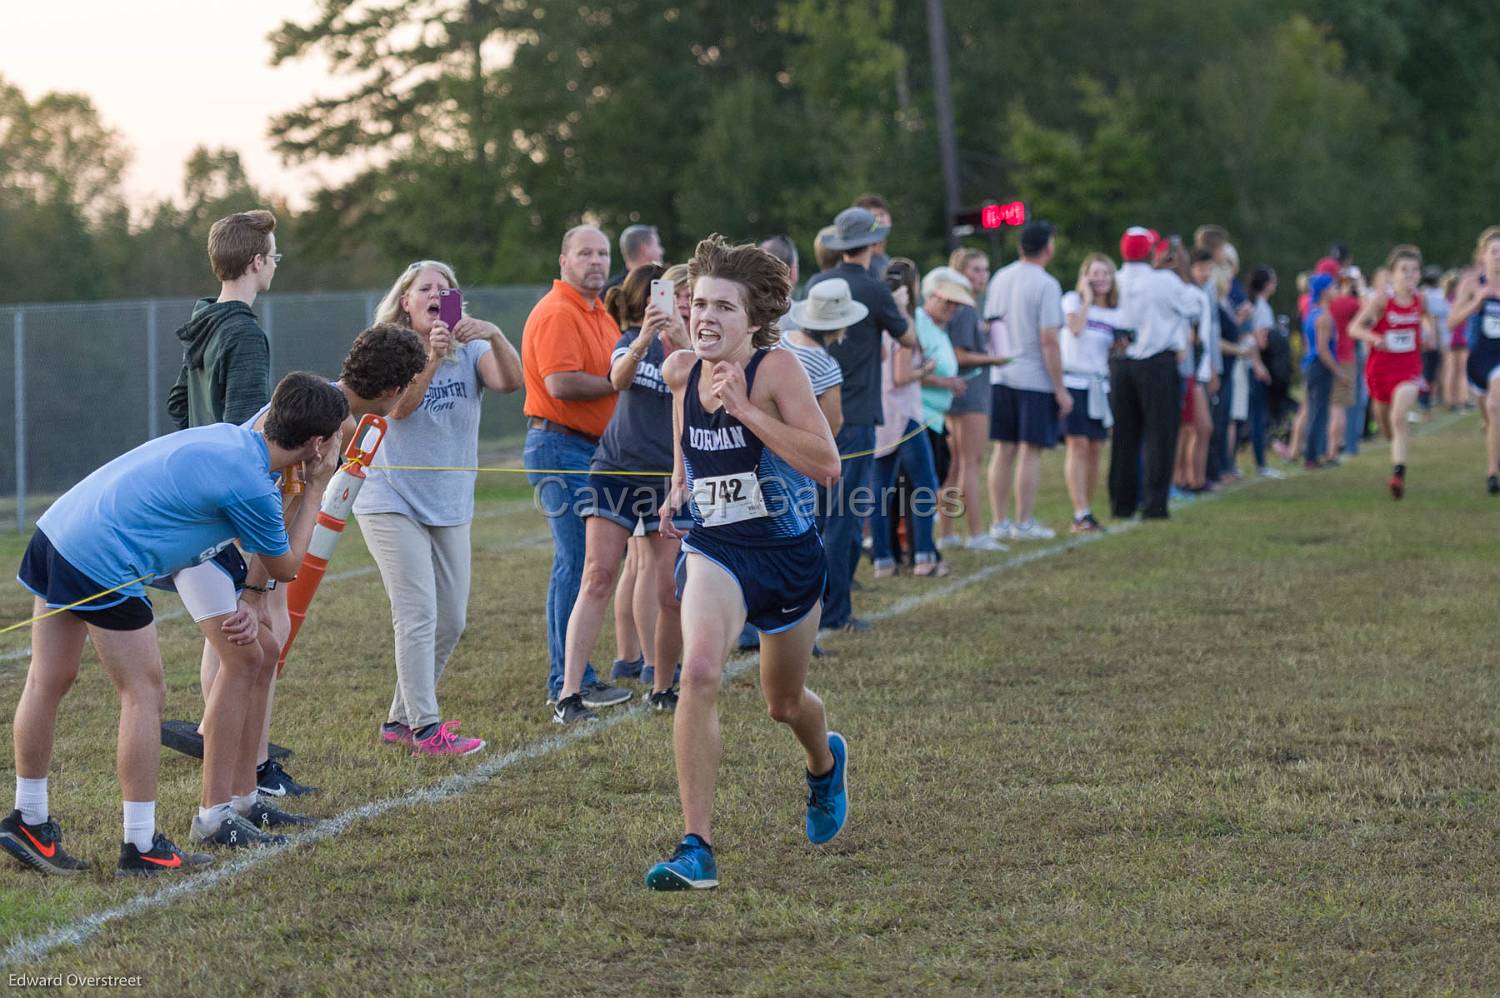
(169, 503)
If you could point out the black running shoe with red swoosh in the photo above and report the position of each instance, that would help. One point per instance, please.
(39, 846)
(162, 857)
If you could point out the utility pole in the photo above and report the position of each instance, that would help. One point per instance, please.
(937, 34)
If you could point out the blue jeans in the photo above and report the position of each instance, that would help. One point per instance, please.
(1260, 411)
(1318, 381)
(557, 497)
(840, 525)
(915, 455)
(1220, 461)
(1354, 426)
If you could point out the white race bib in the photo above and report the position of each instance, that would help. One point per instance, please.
(1404, 341)
(1491, 327)
(727, 499)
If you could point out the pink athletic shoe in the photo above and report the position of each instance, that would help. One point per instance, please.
(444, 741)
(395, 733)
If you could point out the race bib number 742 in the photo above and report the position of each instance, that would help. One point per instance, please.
(726, 499)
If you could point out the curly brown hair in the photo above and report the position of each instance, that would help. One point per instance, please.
(765, 280)
(383, 357)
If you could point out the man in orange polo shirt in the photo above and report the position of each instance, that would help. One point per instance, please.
(565, 350)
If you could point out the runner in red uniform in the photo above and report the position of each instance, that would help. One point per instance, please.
(1395, 322)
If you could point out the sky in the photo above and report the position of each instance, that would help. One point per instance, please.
(170, 75)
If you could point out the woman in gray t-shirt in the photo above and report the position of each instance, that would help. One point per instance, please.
(969, 416)
(416, 524)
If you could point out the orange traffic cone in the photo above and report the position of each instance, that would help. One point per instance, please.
(338, 500)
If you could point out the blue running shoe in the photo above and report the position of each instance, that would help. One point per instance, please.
(627, 670)
(691, 868)
(828, 795)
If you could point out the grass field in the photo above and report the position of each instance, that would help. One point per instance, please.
(1252, 749)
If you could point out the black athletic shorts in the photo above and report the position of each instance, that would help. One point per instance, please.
(49, 575)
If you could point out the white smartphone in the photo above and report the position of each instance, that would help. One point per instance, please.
(664, 296)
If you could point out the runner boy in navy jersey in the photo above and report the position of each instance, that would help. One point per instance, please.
(750, 443)
(1478, 306)
(170, 503)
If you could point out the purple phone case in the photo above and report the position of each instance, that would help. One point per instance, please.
(451, 307)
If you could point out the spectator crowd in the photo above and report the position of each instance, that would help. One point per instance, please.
(862, 395)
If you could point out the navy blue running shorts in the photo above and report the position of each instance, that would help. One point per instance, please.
(780, 584)
(1078, 423)
(50, 576)
(1018, 416)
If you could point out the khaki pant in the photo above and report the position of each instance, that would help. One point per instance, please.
(426, 576)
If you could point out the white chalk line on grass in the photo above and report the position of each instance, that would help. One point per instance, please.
(82, 929)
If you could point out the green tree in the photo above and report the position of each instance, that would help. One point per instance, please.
(1292, 160)
(60, 188)
(1092, 184)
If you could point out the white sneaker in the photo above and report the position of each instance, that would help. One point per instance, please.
(1413, 417)
(951, 541)
(982, 542)
(1272, 473)
(1001, 531)
(1031, 531)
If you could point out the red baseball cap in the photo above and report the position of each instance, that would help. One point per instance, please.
(1328, 265)
(1136, 244)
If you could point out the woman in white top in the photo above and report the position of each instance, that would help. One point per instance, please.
(901, 443)
(1092, 314)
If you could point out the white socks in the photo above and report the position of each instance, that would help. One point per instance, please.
(243, 804)
(212, 815)
(31, 799)
(139, 816)
(140, 823)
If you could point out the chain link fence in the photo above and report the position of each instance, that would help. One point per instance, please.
(83, 382)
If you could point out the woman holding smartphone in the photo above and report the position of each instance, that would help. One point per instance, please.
(1092, 314)
(416, 524)
(621, 496)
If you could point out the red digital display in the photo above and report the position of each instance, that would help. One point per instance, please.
(994, 216)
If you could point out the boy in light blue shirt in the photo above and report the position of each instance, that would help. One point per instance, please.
(170, 503)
